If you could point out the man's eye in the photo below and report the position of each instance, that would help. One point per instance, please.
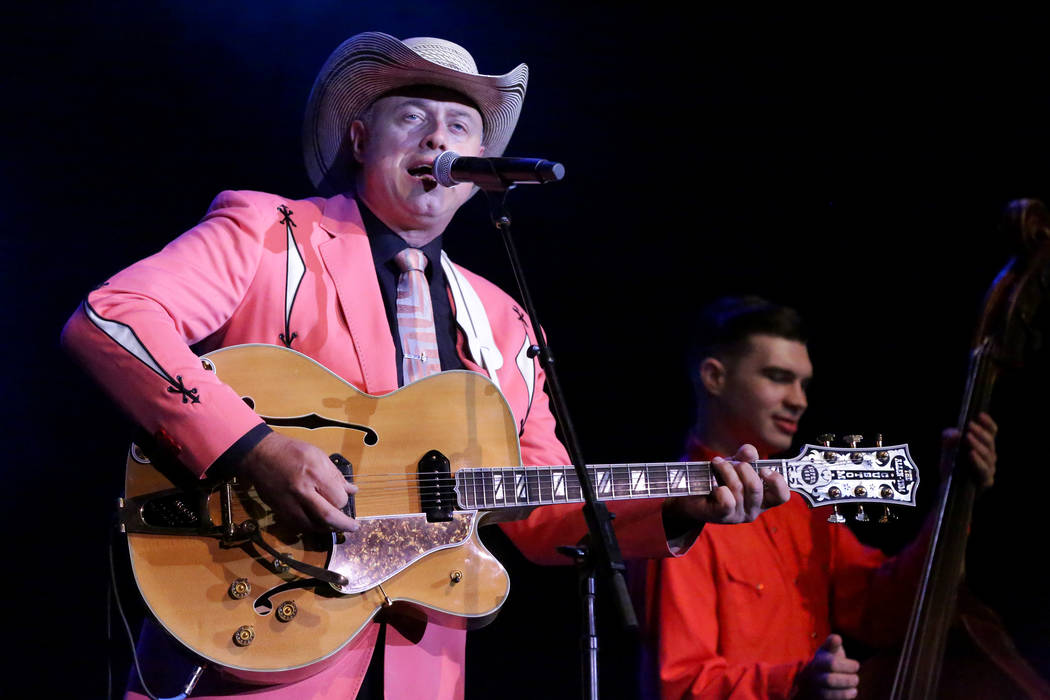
(779, 376)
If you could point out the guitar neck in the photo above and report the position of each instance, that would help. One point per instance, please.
(513, 487)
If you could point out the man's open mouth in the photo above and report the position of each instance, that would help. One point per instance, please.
(425, 173)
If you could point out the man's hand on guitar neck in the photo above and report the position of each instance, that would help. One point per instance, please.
(741, 496)
(300, 483)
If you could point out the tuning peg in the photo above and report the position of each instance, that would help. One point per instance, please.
(861, 516)
(826, 439)
(882, 456)
(835, 516)
(887, 515)
(852, 441)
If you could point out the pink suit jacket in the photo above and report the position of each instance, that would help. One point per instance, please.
(263, 269)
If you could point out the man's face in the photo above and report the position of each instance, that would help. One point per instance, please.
(396, 145)
(764, 392)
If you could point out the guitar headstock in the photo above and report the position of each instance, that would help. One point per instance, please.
(839, 475)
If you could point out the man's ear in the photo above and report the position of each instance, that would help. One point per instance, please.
(357, 138)
(713, 375)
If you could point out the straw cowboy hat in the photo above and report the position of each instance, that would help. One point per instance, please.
(366, 66)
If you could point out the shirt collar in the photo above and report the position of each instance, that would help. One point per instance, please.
(386, 244)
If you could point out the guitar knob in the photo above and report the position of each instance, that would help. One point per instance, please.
(287, 610)
(861, 516)
(240, 588)
(835, 516)
(244, 635)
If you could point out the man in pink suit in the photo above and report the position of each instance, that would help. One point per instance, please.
(318, 275)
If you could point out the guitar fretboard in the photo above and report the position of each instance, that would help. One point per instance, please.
(490, 488)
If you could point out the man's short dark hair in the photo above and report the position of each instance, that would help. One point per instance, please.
(726, 324)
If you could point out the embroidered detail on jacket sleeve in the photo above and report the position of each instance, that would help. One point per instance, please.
(123, 335)
(527, 367)
(295, 270)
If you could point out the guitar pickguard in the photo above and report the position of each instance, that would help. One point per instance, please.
(383, 546)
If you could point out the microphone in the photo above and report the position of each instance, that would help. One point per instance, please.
(450, 169)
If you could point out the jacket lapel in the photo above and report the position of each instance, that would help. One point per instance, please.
(473, 321)
(348, 258)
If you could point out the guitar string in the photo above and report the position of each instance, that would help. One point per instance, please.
(647, 466)
(486, 479)
(568, 491)
(401, 483)
(539, 476)
(376, 493)
(409, 477)
(542, 482)
(488, 475)
(616, 489)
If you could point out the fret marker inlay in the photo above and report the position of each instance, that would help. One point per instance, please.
(559, 484)
(604, 482)
(638, 481)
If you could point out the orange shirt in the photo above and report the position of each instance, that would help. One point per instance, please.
(744, 610)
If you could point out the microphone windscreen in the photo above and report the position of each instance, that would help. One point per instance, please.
(443, 168)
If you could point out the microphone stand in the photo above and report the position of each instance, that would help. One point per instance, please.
(601, 556)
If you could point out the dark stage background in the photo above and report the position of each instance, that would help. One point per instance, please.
(854, 166)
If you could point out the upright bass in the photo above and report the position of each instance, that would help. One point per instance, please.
(980, 653)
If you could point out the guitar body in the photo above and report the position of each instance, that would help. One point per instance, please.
(192, 582)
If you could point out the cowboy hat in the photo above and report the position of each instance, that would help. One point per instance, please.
(368, 65)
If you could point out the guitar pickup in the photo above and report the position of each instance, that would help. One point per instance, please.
(436, 495)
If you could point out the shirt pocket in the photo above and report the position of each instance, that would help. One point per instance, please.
(751, 604)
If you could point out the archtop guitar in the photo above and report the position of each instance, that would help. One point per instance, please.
(433, 461)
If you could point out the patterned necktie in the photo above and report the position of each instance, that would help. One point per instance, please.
(415, 317)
